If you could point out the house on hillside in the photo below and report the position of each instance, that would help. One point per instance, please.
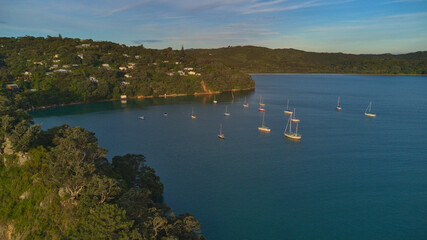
(93, 79)
(62, 70)
(12, 87)
(124, 83)
(106, 66)
(169, 73)
(188, 69)
(122, 68)
(128, 75)
(191, 73)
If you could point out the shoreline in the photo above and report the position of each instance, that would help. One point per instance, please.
(140, 97)
(337, 74)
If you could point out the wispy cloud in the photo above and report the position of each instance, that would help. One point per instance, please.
(277, 6)
(404, 1)
(127, 7)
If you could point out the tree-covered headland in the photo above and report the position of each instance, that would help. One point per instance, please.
(57, 184)
(56, 70)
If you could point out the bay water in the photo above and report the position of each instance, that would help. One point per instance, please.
(350, 177)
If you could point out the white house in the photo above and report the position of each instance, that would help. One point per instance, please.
(191, 73)
(128, 75)
(93, 79)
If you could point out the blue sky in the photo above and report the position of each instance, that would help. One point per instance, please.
(349, 26)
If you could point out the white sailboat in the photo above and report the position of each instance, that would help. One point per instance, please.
(226, 112)
(290, 134)
(260, 102)
(220, 135)
(368, 112)
(192, 114)
(263, 128)
(338, 104)
(287, 111)
(245, 105)
(215, 101)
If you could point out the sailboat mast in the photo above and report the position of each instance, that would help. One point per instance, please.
(263, 114)
(220, 129)
(338, 101)
(296, 129)
(370, 105)
(287, 105)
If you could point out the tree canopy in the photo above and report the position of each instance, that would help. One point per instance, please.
(57, 184)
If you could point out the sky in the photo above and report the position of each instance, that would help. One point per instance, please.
(348, 26)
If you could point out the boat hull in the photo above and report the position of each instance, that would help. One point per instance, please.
(193, 117)
(215, 101)
(245, 105)
(370, 114)
(288, 112)
(339, 108)
(261, 109)
(264, 129)
(227, 114)
(293, 136)
(221, 136)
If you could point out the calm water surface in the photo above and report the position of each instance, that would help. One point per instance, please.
(350, 177)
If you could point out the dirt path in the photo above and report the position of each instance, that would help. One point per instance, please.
(204, 86)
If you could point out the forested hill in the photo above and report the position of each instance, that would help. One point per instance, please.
(58, 184)
(56, 70)
(264, 60)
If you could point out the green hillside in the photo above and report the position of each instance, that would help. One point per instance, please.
(264, 60)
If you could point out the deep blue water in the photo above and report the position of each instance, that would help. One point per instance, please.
(351, 177)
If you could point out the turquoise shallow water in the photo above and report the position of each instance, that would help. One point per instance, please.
(350, 177)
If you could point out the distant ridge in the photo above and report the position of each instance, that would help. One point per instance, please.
(253, 59)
